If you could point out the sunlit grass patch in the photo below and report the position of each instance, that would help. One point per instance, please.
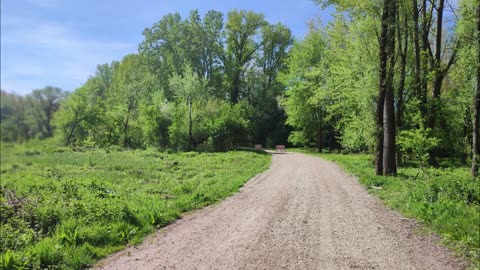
(66, 208)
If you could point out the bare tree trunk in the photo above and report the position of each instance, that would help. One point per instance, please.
(476, 114)
(389, 155)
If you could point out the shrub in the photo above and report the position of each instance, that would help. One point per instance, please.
(416, 144)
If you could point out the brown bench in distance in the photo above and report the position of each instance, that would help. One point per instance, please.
(280, 148)
(258, 147)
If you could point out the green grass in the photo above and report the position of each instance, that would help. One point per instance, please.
(446, 200)
(64, 208)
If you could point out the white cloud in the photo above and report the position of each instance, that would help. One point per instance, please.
(39, 53)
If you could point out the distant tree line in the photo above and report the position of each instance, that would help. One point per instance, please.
(27, 117)
(197, 83)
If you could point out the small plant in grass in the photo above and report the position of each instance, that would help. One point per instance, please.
(49, 253)
(416, 144)
(8, 261)
(78, 257)
(69, 236)
(127, 232)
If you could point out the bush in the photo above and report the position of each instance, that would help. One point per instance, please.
(416, 144)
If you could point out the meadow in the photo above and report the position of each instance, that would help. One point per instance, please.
(64, 208)
(446, 200)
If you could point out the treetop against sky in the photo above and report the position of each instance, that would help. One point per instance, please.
(60, 43)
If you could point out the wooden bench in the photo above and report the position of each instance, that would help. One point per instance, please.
(280, 147)
(258, 147)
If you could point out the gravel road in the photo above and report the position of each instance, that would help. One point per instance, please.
(302, 213)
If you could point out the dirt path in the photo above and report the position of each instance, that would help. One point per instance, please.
(303, 213)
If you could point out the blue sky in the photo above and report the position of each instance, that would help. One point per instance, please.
(60, 42)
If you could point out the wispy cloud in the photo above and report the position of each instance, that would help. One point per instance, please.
(36, 51)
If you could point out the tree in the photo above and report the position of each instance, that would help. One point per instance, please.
(360, 14)
(476, 119)
(242, 31)
(132, 83)
(213, 52)
(16, 119)
(440, 70)
(305, 102)
(44, 102)
(261, 81)
(469, 62)
(81, 118)
(188, 89)
(387, 64)
(163, 47)
(352, 80)
(74, 111)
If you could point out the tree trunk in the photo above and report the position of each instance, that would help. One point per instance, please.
(125, 126)
(416, 42)
(467, 121)
(319, 139)
(331, 140)
(70, 135)
(475, 136)
(389, 155)
(424, 64)
(439, 74)
(403, 49)
(382, 89)
(235, 88)
(476, 116)
(190, 124)
(49, 113)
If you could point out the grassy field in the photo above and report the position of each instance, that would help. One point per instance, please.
(446, 200)
(65, 208)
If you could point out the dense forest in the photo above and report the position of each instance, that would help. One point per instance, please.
(399, 79)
